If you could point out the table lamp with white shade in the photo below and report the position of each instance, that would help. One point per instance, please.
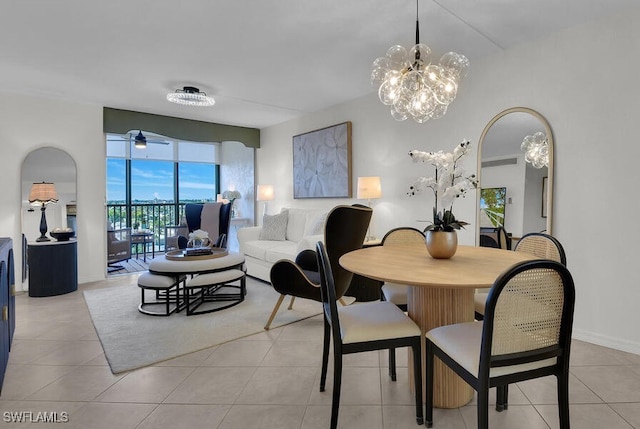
(264, 193)
(369, 188)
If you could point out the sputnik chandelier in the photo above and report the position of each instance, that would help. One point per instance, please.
(190, 96)
(412, 85)
(536, 149)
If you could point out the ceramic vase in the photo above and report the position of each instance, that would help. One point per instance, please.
(441, 244)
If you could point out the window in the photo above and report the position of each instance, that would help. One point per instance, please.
(148, 187)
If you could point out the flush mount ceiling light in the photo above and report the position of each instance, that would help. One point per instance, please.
(412, 85)
(190, 96)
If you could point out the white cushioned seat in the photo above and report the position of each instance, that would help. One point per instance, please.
(167, 293)
(479, 301)
(371, 321)
(463, 341)
(395, 293)
(156, 281)
(164, 265)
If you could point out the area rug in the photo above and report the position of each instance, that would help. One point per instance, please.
(133, 340)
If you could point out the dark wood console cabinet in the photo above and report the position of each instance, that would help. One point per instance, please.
(53, 268)
(7, 303)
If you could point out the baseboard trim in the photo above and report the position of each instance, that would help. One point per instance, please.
(607, 341)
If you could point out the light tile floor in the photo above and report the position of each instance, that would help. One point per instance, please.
(268, 380)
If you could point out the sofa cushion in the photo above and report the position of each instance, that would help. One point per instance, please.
(315, 223)
(274, 227)
(282, 250)
(296, 223)
(258, 248)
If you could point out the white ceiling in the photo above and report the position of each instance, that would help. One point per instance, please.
(264, 61)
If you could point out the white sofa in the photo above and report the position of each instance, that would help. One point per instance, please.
(305, 227)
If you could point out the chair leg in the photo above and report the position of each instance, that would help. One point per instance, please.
(392, 364)
(502, 398)
(483, 407)
(273, 313)
(325, 354)
(293, 298)
(417, 378)
(337, 382)
(429, 384)
(563, 400)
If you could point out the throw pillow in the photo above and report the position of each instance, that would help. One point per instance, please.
(274, 227)
(317, 227)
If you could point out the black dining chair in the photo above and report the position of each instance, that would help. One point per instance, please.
(525, 334)
(362, 327)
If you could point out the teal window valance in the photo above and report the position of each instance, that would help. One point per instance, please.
(119, 121)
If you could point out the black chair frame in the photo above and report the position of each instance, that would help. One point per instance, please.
(483, 382)
(332, 330)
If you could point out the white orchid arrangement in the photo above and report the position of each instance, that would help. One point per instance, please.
(449, 183)
(198, 234)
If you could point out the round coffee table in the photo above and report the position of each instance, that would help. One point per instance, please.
(211, 278)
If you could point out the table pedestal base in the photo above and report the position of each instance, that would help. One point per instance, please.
(433, 307)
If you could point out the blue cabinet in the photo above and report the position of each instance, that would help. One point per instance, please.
(7, 303)
(53, 268)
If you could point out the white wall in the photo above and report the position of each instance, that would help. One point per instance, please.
(28, 123)
(584, 81)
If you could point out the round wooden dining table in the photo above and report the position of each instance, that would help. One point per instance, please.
(441, 293)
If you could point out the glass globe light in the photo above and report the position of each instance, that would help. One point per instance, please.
(397, 57)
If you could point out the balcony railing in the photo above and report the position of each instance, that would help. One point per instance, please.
(152, 217)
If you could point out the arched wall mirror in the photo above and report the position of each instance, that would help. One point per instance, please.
(516, 179)
(50, 165)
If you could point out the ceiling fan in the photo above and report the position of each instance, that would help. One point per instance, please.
(140, 140)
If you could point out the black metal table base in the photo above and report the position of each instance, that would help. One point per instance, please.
(201, 300)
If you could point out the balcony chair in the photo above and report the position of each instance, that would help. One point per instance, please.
(345, 230)
(525, 334)
(118, 247)
(363, 327)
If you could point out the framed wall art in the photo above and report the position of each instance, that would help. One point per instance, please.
(322, 163)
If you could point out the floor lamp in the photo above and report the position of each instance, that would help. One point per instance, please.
(43, 193)
(264, 193)
(369, 188)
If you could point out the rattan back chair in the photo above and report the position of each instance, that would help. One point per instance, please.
(526, 334)
(403, 236)
(542, 245)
